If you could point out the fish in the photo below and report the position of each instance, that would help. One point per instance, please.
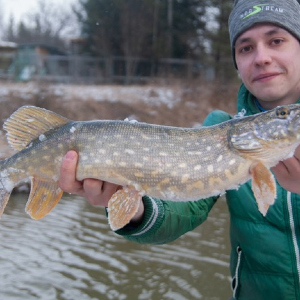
(166, 162)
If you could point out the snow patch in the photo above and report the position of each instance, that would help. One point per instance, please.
(151, 95)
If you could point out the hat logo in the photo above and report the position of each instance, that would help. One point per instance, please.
(259, 8)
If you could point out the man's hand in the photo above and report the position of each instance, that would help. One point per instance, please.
(288, 173)
(96, 192)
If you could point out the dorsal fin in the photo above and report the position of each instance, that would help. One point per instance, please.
(28, 123)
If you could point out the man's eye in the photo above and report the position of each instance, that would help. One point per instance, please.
(277, 41)
(246, 49)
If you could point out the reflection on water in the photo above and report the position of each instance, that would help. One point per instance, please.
(72, 254)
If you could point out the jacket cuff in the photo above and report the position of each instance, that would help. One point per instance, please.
(152, 220)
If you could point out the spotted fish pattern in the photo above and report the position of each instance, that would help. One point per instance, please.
(170, 163)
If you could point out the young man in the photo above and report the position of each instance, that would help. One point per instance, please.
(265, 257)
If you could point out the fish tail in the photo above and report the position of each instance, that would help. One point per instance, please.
(44, 193)
(6, 186)
(24, 126)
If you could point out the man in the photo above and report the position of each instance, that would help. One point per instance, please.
(265, 257)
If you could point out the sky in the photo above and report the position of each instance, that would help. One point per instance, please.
(21, 8)
(17, 8)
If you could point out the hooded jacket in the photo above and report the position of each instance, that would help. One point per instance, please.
(265, 257)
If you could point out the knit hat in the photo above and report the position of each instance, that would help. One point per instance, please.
(246, 13)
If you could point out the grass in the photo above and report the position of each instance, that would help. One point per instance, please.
(196, 100)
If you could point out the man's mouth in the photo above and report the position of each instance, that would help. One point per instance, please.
(265, 76)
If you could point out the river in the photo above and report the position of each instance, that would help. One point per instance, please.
(71, 254)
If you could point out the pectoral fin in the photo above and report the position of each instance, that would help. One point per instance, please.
(263, 186)
(44, 196)
(122, 206)
(4, 197)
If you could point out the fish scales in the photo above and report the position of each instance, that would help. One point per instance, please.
(158, 159)
(171, 163)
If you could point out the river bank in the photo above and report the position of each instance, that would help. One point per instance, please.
(178, 104)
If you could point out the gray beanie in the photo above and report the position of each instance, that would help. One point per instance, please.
(246, 13)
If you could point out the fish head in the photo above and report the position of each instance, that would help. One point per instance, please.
(281, 124)
(271, 135)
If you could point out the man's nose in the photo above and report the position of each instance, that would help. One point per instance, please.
(262, 55)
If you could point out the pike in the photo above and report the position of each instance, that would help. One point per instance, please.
(170, 163)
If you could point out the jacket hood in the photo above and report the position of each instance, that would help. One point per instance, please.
(245, 100)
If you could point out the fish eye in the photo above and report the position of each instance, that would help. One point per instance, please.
(282, 112)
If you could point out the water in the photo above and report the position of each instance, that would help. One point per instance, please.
(73, 255)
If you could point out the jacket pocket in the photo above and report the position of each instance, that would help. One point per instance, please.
(235, 279)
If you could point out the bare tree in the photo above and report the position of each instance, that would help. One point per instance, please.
(170, 27)
(49, 24)
(1, 20)
(136, 32)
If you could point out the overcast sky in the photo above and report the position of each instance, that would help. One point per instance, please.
(17, 8)
(21, 8)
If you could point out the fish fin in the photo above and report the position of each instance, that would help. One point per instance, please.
(7, 184)
(263, 186)
(28, 123)
(122, 206)
(4, 197)
(44, 195)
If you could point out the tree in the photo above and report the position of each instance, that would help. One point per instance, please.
(1, 20)
(186, 28)
(155, 29)
(147, 28)
(9, 32)
(48, 25)
(218, 38)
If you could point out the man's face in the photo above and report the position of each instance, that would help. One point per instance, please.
(268, 61)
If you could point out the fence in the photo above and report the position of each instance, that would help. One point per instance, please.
(91, 70)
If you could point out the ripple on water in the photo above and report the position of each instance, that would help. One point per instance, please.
(72, 254)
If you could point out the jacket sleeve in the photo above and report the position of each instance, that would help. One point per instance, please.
(165, 221)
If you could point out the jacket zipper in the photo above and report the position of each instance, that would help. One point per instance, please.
(235, 279)
(292, 226)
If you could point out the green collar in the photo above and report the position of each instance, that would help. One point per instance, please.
(247, 101)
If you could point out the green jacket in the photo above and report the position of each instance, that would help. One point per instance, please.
(265, 258)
